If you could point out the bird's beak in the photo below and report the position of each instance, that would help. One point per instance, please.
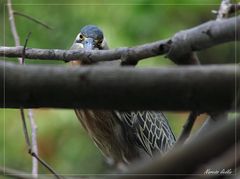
(88, 43)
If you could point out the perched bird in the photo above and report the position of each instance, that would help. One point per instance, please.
(121, 136)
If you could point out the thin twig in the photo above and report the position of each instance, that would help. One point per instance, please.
(9, 172)
(18, 174)
(187, 127)
(30, 151)
(13, 26)
(24, 48)
(33, 19)
(34, 143)
(46, 165)
(32, 124)
(25, 129)
(21, 61)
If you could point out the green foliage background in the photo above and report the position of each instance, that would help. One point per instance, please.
(62, 142)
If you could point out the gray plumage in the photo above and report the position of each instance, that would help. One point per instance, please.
(150, 129)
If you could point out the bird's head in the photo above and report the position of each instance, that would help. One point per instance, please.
(90, 37)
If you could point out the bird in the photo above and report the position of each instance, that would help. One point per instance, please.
(121, 136)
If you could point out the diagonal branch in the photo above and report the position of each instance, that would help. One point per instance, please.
(198, 38)
(192, 154)
(225, 165)
(33, 19)
(9, 172)
(187, 127)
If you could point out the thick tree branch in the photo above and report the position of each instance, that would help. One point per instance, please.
(224, 11)
(214, 142)
(205, 88)
(198, 38)
(204, 36)
(227, 162)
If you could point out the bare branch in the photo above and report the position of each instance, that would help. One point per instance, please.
(45, 165)
(13, 26)
(224, 9)
(192, 154)
(32, 147)
(21, 61)
(34, 142)
(33, 19)
(225, 165)
(187, 127)
(234, 8)
(202, 37)
(31, 151)
(198, 38)
(13, 173)
(8, 172)
(25, 129)
(175, 88)
(24, 48)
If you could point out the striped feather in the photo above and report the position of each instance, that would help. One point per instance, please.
(152, 130)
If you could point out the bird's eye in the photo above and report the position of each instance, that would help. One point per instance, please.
(99, 42)
(81, 37)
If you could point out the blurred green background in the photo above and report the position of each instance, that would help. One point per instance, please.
(61, 139)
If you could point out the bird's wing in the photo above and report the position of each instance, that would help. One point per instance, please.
(152, 131)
